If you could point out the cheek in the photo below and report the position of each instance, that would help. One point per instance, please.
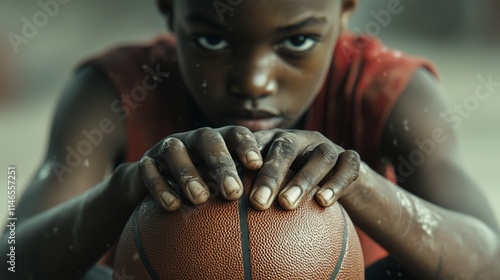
(320, 66)
(203, 79)
(306, 84)
(312, 76)
(213, 84)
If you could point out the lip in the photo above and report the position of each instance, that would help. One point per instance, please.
(253, 114)
(254, 120)
(258, 123)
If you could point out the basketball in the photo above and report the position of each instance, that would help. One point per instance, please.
(230, 240)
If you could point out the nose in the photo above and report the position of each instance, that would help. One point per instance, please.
(253, 75)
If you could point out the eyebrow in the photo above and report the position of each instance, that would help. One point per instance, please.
(304, 23)
(203, 20)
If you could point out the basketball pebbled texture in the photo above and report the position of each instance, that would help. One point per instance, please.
(230, 240)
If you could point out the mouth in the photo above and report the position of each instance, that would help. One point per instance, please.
(255, 120)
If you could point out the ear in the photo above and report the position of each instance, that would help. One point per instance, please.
(348, 8)
(166, 8)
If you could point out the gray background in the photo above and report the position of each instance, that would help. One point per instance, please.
(458, 36)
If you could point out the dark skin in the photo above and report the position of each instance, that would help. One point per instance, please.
(423, 223)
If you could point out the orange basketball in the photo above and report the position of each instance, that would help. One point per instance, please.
(230, 240)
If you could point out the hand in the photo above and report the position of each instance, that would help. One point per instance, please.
(193, 158)
(316, 160)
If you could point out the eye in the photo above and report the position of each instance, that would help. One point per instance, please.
(299, 43)
(212, 43)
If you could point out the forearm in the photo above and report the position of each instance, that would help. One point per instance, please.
(432, 242)
(62, 242)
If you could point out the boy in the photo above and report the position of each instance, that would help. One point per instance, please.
(281, 86)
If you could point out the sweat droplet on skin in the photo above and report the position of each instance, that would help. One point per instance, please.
(406, 125)
(427, 219)
(135, 257)
(45, 172)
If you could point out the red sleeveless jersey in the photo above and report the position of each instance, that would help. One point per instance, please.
(364, 81)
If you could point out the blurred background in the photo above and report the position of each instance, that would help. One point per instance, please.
(461, 37)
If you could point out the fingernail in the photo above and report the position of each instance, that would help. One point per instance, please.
(253, 157)
(197, 190)
(231, 186)
(292, 194)
(168, 198)
(262, 195)
(327, 195)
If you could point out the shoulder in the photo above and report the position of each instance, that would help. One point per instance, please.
(369, 79)
(374, 74)
(132, 61)
(158, 49)
(416, 137)
(375, 64)
(417, 113)
(83, 107)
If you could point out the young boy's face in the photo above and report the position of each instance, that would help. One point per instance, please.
(258, 63)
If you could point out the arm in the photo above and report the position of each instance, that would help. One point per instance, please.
(438, 225)
(70, 214)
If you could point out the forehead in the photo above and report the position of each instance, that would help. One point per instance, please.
(258, 12)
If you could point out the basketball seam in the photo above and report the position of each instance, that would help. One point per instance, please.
(338, 266)
(245, 235)
(140, 249)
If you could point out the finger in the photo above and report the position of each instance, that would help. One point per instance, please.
(320, 162)
(280, 157)
(264, 139)
(345, 172)
(157, 186)
(211, 147)
(183, 170)
(242, 141)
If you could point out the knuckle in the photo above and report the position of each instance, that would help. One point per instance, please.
(242, 137)
(341, 183)
(243, 146)
(353, 159)
(222, 166)
(185, 171)
(317, 134)
(328, 154)
(171, 143)
(284, 146)
(270, 176)
(352, 156)
(154, 185)
(186, 174)
(240, 132)
(207, 135)
(145, 162)
(308, 177)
